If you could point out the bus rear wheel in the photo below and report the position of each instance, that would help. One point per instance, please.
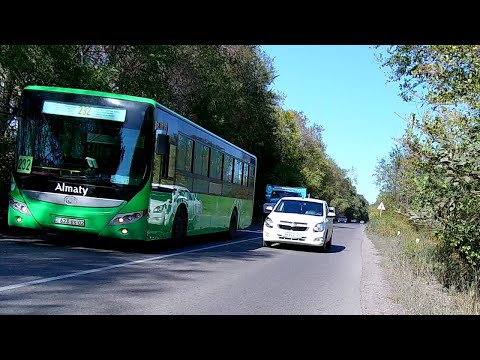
(232, 229)
(179, 229)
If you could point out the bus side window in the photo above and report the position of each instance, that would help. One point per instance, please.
(228, 169)
(163, 165)
(237, 175)
(245, 174)
(201, 158)
(157, 165)
(216, 159)
(251, 176)
(171, 161)
(184, 153)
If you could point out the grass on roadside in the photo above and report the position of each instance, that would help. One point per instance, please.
(425, 278)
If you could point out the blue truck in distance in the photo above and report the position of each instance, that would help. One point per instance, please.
(273, 193)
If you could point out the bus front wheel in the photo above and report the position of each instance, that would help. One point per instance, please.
(179, 229)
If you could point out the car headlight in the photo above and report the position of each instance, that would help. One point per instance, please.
(269, 222)
(319, 227)
(122, 219)
(19, 206)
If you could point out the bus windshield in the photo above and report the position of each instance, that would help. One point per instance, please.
(278, 194)
(99, 151)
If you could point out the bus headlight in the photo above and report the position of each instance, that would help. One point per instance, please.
(19, 206)
(128, 218)
(319, 227)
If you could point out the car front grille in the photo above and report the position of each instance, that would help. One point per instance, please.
(292, 228)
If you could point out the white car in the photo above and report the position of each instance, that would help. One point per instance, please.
(299, 221)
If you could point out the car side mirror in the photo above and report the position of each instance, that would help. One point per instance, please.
(268, 208)
(331, 214)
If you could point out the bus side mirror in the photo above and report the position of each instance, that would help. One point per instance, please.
(162, 144)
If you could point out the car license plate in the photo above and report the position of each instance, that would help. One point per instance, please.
(69, 221)
(291, 235)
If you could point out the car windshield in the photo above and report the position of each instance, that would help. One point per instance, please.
(300, 207)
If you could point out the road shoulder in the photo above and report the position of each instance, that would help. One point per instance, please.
(375, 291)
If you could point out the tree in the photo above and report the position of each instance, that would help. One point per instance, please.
(441, 166)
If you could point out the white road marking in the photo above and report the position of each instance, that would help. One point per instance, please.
(105, 268)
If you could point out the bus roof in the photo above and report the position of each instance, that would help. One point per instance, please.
(131, 98)
(91, 93)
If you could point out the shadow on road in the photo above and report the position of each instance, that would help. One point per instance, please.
(91, 242)
(304, 248)
(349, 226)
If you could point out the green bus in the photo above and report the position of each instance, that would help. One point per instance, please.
(125, 167)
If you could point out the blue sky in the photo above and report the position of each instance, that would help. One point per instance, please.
(344, 89)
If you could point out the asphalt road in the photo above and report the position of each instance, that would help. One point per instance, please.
(208, 276)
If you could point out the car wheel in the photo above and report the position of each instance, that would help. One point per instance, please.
(267, 243)
(329, 244)
(324, 247)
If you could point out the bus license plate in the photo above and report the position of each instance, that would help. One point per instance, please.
(70, 221)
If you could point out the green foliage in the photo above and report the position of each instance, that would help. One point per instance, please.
(447, 160)
(429, 255)
(438, 180)
(436, 74)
